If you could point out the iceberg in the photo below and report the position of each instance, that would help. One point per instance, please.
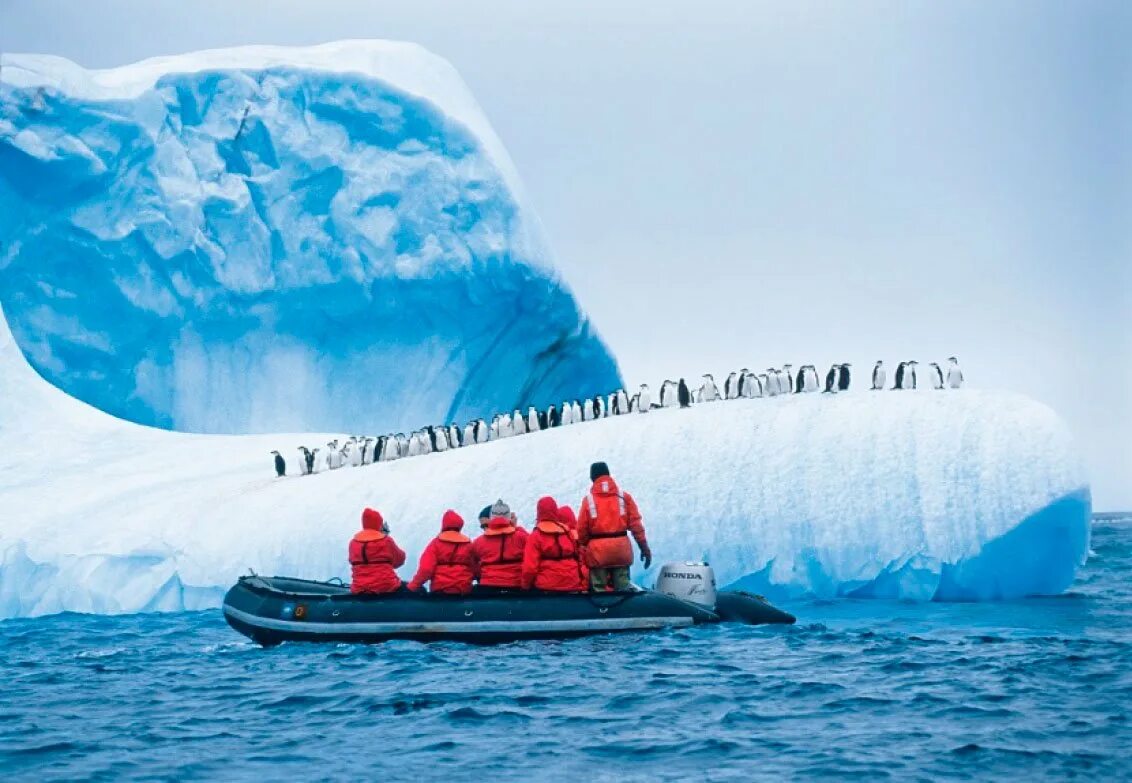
(957, 495)
(271, 239)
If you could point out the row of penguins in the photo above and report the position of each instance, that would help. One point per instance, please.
(358, 450)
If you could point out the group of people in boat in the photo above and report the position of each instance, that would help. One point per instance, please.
(563, 552)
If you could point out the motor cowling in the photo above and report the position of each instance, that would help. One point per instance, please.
(689, 581)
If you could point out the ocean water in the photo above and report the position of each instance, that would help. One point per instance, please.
(1034, 689)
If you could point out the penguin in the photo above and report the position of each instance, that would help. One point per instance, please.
(280, 465)
(544, 419)
(440, 438)
(455, 436)
(623, 400)
(936, 376)
(588, 411)
(402, 445)
(566, 415)
(518, 423)
(954, 373)
(635, 403)
(644, 399)
(843, 378)
(764, 384)
(312, 463)
(731, 387)
(355, 455)
(831, 380)
(898, 379)
(379, 449)
(600, 411)
(577, 409)
(304, 453)
(878, 376)
(505, 430)
(553, 419)
(752, 386)
(772, 388)
(800, 381)
(788, 377)
(709, 392)
(532, 420)
(470, 433)
(912, 375)
(493, 433)
(683, 395)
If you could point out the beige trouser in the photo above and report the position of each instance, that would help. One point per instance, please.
(601, 577)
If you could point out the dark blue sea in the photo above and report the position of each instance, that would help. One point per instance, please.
(1029, 690)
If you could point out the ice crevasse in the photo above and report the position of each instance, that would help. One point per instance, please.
(265, 239)
(962, 495)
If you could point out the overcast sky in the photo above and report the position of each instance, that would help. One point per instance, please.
(747, 184)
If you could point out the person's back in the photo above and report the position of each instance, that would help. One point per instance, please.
(607, 517)
(447, 562)
(374, 556)
(550, 561)
(498, 552)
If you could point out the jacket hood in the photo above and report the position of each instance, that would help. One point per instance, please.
(547, 510)
(498, 523)
(567, 517)
(451, 521)
(605, 485)
(372, 519)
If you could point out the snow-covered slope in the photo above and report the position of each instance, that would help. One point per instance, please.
(264, 238)
(917, 494)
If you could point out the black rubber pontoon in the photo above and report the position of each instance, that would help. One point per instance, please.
(270, 610)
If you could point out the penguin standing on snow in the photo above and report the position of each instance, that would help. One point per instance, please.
(878, 376)
(936, 376)
(544, 418)
(553, 418)
(280, 465)
(622, 401)
(312, 462)
(532, 420)
(843, 377)
(954, 374)
(787, 370)
(566, 416)
(831, 380)
(518, 423)
(683, 394)
(709, 392)
(731, 387)
(304, 452)
(898, 379)
(644, 399)
(912, 375)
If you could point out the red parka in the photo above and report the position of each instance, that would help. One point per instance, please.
(550, 561)
(447, 560)
(373, 556)
(607, 517)
(498, 554)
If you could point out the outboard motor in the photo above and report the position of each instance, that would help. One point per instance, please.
(690, 581)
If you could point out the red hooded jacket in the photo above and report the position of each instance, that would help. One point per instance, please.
(607, 517)
(447, 560)
(567, 517)
(498, 554)
(373, 556)
(550, 560)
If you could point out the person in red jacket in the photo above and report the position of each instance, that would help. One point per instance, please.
(550, 560)
(607, 517)
(373, 556)
(498, 553)
(447, 560)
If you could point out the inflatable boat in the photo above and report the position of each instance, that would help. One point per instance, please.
(271, 610)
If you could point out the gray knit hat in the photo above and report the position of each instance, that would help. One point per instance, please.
(500, 509)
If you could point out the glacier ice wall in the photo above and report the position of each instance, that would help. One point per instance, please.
(265, 239)
(964, 495)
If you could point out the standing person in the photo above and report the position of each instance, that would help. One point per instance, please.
(550, 560)
(373, 557)
(447, 560)
(498, 552)
(607, 517)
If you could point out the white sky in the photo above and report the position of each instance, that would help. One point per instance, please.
(747, 184)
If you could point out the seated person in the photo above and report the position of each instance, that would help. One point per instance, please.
(498, 552)
(551, 559)
(447, 560)
(373, 556)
